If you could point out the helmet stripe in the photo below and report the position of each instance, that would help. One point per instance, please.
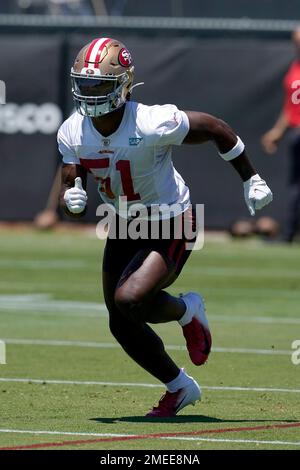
(98, 53)
(94, 51)
(88, 54)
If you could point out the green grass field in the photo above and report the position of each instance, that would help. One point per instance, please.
(54, 322)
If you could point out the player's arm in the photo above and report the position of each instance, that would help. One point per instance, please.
(271, 139)
(203, 128)
(73, 196)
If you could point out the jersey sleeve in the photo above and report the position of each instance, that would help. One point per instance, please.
(65, 146)
(167, 125)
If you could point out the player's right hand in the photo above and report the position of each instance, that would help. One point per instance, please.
(76, 197)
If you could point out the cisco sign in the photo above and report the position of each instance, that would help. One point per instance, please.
(29, 118)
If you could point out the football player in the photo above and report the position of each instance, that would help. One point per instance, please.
(127, 147)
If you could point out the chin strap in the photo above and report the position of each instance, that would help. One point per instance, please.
(137, 84)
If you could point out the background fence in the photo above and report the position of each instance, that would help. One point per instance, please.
(234, 72)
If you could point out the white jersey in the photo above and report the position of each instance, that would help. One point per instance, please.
(136, 160)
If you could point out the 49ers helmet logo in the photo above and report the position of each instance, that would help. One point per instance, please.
(125, 57)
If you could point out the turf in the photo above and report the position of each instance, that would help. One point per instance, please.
(50, 290)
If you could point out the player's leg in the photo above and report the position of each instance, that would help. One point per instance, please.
(128, 325)
(139, 293)
(137, 339)
(139, 296)
(145, 347)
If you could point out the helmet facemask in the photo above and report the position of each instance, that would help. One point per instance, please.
(99, 95)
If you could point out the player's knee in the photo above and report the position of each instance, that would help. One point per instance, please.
(129, 303)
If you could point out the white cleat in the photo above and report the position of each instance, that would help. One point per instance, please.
(171, 403)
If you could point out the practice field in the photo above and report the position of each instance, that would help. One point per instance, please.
(67, 384)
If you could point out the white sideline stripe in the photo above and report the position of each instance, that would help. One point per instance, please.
(241, 441)
(144, 385)
(173, 347)
(43, 303)
(177, 438)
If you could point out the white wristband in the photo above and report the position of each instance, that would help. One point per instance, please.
(234, 152)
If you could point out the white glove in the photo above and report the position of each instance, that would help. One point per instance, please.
(257, 194)
(76, 198)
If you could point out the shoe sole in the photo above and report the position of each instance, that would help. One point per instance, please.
(175, 413)
(202, 320)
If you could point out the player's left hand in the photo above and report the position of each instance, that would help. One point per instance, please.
(257, 193)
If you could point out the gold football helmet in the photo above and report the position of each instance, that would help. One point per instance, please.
(102, 77)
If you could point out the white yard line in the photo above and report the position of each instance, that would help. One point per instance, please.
(56, 264)
(144, 385)
(94, 344)
(38, 304)
(271, 352)
(44, 303)
(77, 382)
(54, 342)
(243, 272)
(64, 264)
(248, 318)
(64, 433)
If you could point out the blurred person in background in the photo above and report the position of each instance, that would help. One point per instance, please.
(57, 7)
(289, 120)
(9, 6)
(71, 7)
(49, 216)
